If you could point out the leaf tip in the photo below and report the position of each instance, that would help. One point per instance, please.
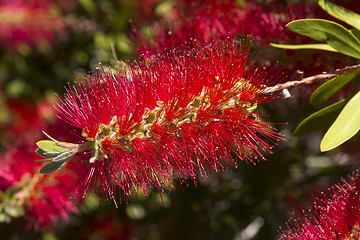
(324, 147)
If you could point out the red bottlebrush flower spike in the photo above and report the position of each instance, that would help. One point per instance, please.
(178, 116)
(41, 199)
(334, 216)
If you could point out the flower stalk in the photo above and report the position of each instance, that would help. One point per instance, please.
(311, 79)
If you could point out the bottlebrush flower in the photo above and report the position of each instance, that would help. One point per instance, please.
(333, 216)
(214, 19)
(181, 115)
(41, 199)
(200, 20)
(27, 23)
(266, 22)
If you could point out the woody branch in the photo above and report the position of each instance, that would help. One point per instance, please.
(309, 80)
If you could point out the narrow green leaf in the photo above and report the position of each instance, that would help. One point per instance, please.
(56, 157)
(341, 13)
(326, 90)
(319, 46)
(355, 32)
(320, 120)
(51, 138)
(50, 146)
(45, 154)
(44, 160)
(356, 81)
(63, 157)
(345, 126)
(52, 167)
(333, 33)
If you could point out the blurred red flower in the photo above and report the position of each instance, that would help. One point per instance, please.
(28, 22)
(189, 20)
(265, 21)
(41, 199)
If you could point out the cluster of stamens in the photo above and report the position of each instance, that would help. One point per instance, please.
(157, 115)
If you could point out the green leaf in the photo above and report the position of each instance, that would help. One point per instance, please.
(319, 46)
(356, 81)
(345, 126)
(52, 167)
(50, 146)
(355, 32)
(49, 136)
(341, 13)
(63, 157)
(45, 154)
(320, 120)
(44, 160)
(333, 33)
(326, 90)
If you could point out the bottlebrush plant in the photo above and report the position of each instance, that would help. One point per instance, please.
(181, 115)
(341, 118)
(194, 104)
(334, 215)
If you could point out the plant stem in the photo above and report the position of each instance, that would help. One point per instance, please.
(309, 80)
